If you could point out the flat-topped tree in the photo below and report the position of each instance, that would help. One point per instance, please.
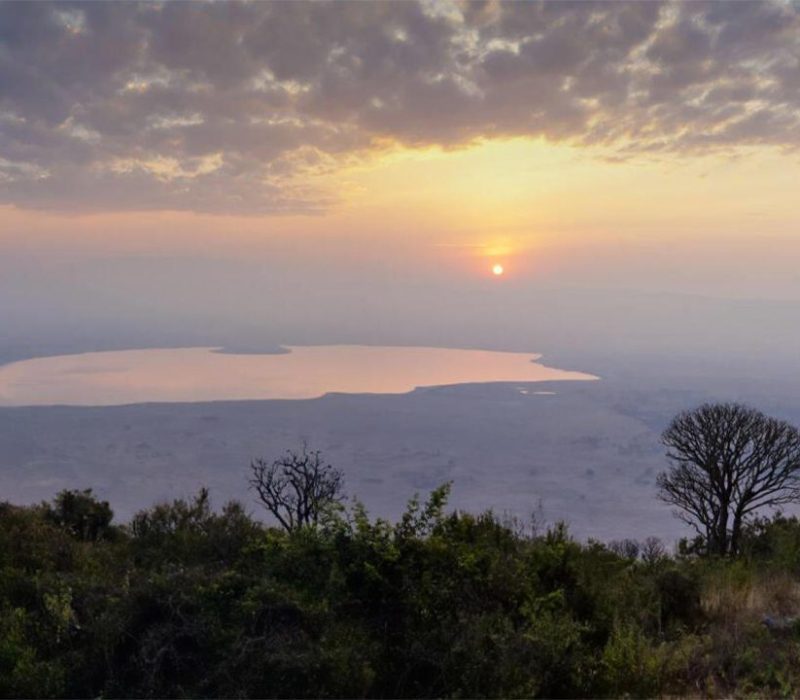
(299, 489)
(728, 461)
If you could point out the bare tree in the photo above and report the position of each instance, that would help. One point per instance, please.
(298, 489)
(627, 548)
(728, 461)
(652, 550)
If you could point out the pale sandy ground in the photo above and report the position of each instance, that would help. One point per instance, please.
(589, 452)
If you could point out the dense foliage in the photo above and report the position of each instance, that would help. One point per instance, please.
(188, 601)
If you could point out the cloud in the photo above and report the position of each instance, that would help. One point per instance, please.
(228, 107)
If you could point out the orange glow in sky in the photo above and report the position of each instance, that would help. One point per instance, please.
(434, 163)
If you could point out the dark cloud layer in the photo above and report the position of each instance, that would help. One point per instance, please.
(225, 107)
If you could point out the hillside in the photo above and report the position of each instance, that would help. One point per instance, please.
(187, 601)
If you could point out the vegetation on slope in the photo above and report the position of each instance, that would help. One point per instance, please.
(188, 601)
(185, 601)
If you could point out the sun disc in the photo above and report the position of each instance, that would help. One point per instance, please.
(497, 269)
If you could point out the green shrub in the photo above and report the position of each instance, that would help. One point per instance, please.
(189, 601)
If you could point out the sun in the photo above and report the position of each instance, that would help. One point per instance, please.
(497, 269)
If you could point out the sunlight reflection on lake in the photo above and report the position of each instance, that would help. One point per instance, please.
(206, 374)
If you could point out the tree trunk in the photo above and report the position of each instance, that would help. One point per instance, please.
(737, 532)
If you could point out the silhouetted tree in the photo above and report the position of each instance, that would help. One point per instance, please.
(627, 548)
(652, 550)
(83, 515)
(299, 489)
(728, 461)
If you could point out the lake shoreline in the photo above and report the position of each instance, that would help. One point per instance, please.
(206, 374)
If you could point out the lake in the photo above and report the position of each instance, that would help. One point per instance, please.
(301, 372)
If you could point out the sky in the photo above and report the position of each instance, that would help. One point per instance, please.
(341, 164)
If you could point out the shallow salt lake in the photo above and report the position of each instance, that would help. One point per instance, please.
(208, 374)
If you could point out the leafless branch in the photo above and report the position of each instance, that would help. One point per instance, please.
(728, 461)
(298, 489)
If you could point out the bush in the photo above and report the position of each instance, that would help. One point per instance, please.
(188, 600)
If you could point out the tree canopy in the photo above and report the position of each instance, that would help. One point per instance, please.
(728, 462)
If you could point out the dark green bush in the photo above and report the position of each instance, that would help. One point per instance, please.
(190, 601)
